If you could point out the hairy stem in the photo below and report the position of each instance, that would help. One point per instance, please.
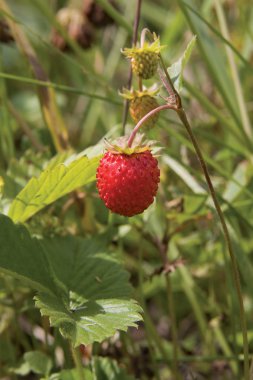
(146, 117)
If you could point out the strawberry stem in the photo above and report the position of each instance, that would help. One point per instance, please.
(130, 75)
(144, 33)
(145, 118)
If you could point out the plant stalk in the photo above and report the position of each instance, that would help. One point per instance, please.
(130, 75)
(146, 117)
(78, 362)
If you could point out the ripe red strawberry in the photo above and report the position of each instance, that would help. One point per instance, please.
(128, 183)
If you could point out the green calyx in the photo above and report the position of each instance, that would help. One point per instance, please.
(120, 145)
(133, 94)
(147, 47)
(144, 59)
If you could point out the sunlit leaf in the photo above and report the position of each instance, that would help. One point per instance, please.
(51, 185)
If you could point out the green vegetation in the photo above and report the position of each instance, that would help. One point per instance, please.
(88, 294)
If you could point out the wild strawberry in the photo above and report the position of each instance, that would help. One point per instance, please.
(144, 60)
(127, 179)
(141, 103)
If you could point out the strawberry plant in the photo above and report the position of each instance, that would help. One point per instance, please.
(125, 190)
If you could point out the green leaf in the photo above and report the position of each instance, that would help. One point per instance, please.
(23, 257)
(71, 374)
(108, 369)
(184, 174)
(244, 263)
(84, 291)
(194, 203)
(242, 176)
(221, 37)
(97, 300)
(35, 361)
(51, 185)
(176, 70)
(214, 58)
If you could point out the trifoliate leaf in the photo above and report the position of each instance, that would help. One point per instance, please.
(176, 70)
(51, 185)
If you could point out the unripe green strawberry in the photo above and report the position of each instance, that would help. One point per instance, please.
(144, 60)
(141, 103)
(140, 106)
(127, 182)
(144, 64)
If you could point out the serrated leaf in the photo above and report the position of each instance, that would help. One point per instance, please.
(84, 291)
(176, 70)
(51, 185)
(98, 293)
